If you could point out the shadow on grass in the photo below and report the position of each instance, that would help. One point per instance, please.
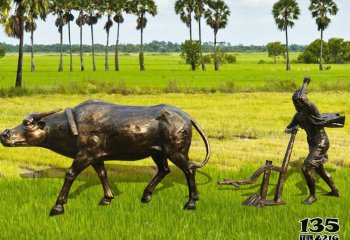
(294, 171)
(118, 174)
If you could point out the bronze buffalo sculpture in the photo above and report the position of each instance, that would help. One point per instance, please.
(95, 131)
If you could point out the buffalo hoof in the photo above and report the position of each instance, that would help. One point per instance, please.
(56, 210)
(146, 198)
(190, 206)
(105, 201)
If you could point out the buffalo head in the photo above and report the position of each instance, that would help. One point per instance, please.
(31, 132)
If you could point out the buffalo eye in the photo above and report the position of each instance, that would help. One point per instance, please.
(41, 124)
(27, 122)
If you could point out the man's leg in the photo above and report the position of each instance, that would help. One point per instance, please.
(328, 179)
(310, 180)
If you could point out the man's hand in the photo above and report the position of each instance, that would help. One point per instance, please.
(292, 130)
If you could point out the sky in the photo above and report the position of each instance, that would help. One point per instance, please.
(251, 22)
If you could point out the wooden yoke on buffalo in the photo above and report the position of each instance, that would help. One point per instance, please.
(259, 200)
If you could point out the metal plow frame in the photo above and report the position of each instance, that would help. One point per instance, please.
(260, 200)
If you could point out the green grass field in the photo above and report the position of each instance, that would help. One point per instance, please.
(168, 73)
(244, 130)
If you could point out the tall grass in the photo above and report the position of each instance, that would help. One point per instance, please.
(26, 203)
(165, 74)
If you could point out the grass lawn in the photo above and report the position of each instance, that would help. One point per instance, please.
(167, 72)
(244, 130)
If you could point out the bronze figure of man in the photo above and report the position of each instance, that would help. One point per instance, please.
(309, 118)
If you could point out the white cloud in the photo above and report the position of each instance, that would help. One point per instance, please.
(164, 3)
(257, 3)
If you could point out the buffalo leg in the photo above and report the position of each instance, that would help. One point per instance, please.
(79, 164)
(163, 170)
(183, 162)
(102, 173)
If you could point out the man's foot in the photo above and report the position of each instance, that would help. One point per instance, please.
(310, 200)
(333, 194)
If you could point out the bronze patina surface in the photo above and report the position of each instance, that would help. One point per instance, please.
(313, 122)
(96, 131)
(260, 199)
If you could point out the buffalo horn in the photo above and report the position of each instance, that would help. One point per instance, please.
(39, 116)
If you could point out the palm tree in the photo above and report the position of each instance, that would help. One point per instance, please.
(14, 24)
(107, 27)
(185, 9)
(118, 8)
(285, 12)
(30, 26)
(59, 24)
(140, 8)
(57, 7)
(319, 10)
(91, 19)
(80, 21)
(67, 18)
(217, 18)
(199, 11)
(105, 7)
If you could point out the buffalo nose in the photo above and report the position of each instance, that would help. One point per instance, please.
(5, 134)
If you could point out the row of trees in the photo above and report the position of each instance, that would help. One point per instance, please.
(286, 12)
(215, 12)
(18, 16)
(336, 50)
(27, 12)
(154, 46)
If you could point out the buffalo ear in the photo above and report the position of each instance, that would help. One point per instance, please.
(41, 124)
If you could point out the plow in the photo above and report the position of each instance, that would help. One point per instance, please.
(260, 199)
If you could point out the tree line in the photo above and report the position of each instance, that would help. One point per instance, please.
(154, 46)
(18, 16)
(286, 12)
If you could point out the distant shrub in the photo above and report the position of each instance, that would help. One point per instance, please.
(172, 87)
(207, 59)
(281, 86)
(2, 51)
(228, 87)
(230, 58)
(191, 53)
(261, 61)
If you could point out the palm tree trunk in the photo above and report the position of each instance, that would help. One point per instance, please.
(70, 49)
(287, 50)
(200, 42)
(107, 44)
(116, 57)
(216, 60)
(321, 51)
(81, 41)
(60, 67)
(20, 48)
(32, 65)
(190, 27)
(92, 46)
(141, 56)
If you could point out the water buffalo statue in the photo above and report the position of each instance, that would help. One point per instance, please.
(95, 131)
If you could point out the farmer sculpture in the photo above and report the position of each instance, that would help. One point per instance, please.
(309, 118)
